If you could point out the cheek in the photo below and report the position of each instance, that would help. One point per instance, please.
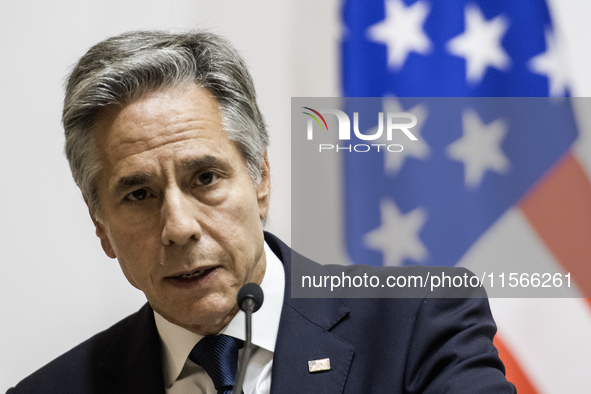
(237, 215)
(238, 231)
(247, 208)
(130, 272)
(136, 255)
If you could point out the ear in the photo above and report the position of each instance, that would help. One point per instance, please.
(263, 188)
(101, 233)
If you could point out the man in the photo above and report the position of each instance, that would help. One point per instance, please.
(167, 144)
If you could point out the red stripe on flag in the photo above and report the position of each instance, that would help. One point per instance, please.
(514, 372)
(559, 209)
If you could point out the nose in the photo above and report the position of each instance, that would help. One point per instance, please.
(180, 223)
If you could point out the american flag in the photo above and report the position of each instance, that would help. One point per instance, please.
(499, 187)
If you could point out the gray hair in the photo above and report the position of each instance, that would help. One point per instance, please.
(122, 69)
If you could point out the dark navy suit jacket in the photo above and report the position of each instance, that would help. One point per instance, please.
(389, 345)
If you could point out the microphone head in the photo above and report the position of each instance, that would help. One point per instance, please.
(252, 291)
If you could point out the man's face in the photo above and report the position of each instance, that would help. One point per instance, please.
(178, 208)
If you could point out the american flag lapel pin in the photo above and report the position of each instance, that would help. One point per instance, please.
(319, 365)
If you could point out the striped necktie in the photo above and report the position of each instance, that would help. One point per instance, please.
(218, 355)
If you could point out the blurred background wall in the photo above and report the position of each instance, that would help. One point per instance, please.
(57, 287)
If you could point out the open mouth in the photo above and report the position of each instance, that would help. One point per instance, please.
(193, 277)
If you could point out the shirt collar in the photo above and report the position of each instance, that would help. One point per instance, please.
(178, 342)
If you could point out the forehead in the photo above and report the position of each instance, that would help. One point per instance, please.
(159, 120)
(156, 136)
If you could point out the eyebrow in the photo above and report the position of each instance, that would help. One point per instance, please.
(204, 162)
(131, 181)
(128, 182)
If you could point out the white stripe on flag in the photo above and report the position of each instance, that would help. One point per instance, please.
(511, 245)
(549, 338)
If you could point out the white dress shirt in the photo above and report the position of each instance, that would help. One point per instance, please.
(182, 376)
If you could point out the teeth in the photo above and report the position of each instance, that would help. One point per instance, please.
(193, 275)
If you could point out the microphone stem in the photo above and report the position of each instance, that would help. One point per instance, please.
(245, 356)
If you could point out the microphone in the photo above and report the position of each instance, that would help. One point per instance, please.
(250, 298)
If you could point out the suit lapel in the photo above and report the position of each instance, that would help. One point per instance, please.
(304, 335)
(134, 358)
(301, 341)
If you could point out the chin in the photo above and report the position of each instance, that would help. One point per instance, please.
(204, 321)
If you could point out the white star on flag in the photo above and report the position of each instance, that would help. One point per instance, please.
(551, 64)
(480, 148)
(419, 149)
(398, 236)
(480, 44)
(402, 31)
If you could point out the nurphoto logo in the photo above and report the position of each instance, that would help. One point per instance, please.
(395, 122)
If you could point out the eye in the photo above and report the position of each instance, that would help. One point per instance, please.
(206, 178)
(138, 195)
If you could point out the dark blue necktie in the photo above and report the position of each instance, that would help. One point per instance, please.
(218, 355)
